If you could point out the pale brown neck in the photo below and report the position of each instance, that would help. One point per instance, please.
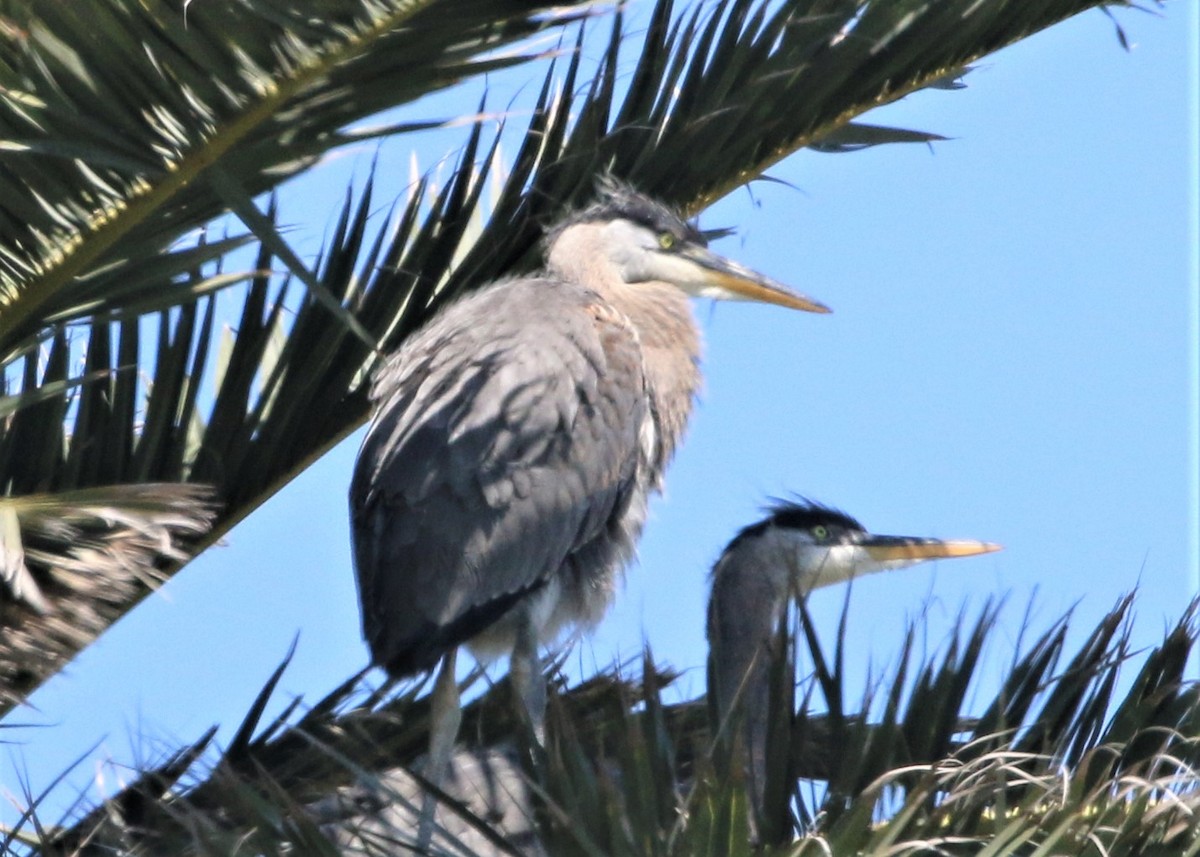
(671, 348)
(661, 314)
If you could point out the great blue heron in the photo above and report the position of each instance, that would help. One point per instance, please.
(502, 484)
(798, 547)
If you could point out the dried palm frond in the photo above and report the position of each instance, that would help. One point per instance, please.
(72, 559)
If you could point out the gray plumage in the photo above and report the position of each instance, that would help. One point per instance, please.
(516, 441)
(503, 482)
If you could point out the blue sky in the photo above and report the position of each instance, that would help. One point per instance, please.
(1012, 357)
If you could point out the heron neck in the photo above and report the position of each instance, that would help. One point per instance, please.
(670, 341)
(748, 598)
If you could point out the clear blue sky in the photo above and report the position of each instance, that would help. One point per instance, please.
(1008, 359)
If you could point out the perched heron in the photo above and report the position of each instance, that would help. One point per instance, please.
(798, 547)
(502, 484)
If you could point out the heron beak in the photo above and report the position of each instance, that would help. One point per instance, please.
(891, 548)
(725, 279)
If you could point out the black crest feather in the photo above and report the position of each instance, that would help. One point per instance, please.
(796, 514)
(616, 200)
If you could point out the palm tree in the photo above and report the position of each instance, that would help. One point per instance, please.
(138, 138)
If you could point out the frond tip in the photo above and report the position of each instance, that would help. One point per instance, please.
(86, 552)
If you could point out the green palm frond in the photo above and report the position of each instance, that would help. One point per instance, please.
(126, 125)
(109, 163)
(1046, 716)
(625, 773)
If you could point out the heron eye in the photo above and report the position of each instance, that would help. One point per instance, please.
(666, 240)
(820, 532)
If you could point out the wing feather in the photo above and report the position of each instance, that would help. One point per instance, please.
(506, 440)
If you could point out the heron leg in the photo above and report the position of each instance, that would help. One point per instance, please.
(445, 717)
(525, 672)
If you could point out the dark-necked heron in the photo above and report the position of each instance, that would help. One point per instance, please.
(502, 484)
(798, 547)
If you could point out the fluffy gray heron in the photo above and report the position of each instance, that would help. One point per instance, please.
(502, 484)
(798, 547)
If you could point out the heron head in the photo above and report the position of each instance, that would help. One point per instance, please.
(801, 546)
(634, 239)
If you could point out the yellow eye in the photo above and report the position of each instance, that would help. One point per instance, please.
(666, 240)
(820, 533)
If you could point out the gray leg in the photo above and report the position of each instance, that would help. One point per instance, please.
(525, 672)
(445, 715)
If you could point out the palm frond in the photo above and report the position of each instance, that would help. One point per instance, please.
(117, 118)
(626, 773)
(966, 807)
(93, 548)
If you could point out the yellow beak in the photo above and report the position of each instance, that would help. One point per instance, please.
(725, 279)
(884, 548)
